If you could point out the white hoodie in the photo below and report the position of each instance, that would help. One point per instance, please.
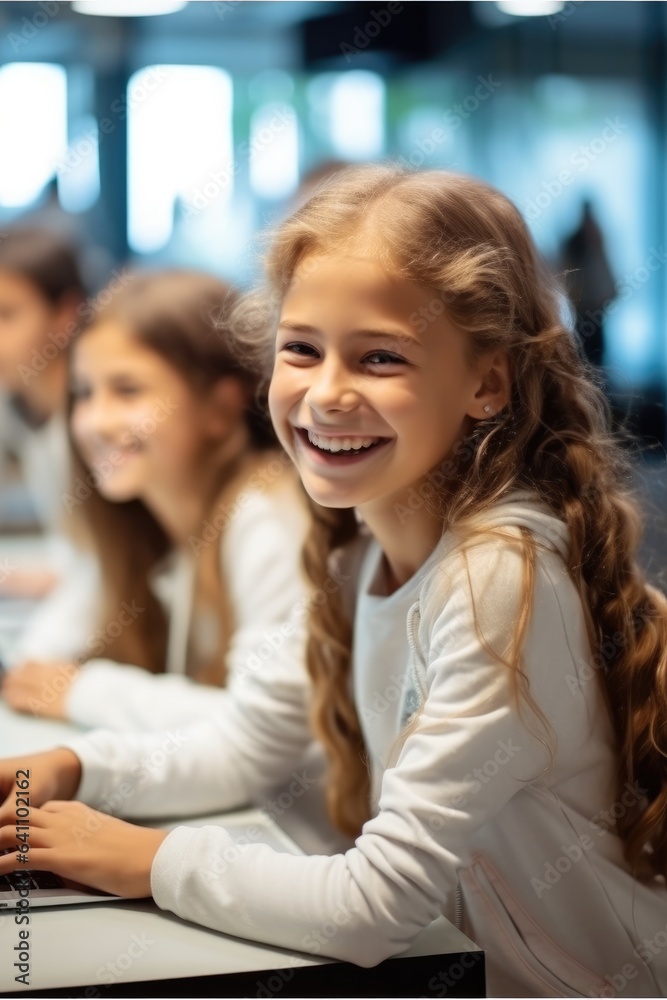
(259, 551)
(473, 818)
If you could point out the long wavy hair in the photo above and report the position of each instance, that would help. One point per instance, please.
(470, 245)
(182, 316)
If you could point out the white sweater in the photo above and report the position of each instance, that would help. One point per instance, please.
(59, 625)
(260, 552)
(43, 454)
(474, 819)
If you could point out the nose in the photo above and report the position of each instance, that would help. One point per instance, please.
(95, 419)
(332, 388)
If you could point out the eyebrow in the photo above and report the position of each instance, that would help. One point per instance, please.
(400, 336)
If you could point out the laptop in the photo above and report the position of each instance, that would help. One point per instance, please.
(46, 889)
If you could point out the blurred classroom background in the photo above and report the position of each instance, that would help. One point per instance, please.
(177, 138)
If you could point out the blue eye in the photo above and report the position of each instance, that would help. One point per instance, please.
(385, 358)
(300, 349)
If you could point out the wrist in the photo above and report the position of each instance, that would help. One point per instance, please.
(68, 772)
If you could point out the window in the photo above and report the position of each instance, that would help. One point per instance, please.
(180, 155)
(33, 129)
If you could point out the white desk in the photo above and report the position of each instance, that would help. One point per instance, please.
(111, 950)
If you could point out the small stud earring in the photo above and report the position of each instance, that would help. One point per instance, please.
(487, 409)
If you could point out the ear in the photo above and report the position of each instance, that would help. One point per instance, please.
(226, 403)
(494, 388)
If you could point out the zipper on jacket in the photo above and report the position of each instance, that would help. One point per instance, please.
(458, 907)
(412, 629)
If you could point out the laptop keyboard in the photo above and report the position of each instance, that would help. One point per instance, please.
(29, 879)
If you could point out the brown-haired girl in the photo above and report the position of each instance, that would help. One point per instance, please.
(196, 516)
(490, 680)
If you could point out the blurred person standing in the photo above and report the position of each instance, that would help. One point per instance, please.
(590, 282)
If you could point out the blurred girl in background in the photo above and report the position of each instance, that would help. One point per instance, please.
(197, 518)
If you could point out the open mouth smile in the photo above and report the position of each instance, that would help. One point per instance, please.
(339, 450)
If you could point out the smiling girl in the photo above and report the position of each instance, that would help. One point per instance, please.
(196, 516)
(491, 682)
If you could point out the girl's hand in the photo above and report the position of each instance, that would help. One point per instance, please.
(28, 583)
(79, 843)
(39, 687)
(37, 777)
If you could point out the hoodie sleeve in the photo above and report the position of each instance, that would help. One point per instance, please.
(59, 627)
(261, 560)
(128, 698)
(255, 738)
(402, 870)
(260, 563)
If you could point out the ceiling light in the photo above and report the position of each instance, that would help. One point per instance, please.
(530, 8)
(127, 8)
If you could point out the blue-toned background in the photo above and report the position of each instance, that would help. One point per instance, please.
(176, 138)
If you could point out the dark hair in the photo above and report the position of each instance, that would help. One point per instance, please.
(47, 259)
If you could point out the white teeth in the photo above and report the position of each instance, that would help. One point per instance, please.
(340, 444)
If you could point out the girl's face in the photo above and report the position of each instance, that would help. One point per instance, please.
(364, 405)
(26, 319)
(138, 424)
